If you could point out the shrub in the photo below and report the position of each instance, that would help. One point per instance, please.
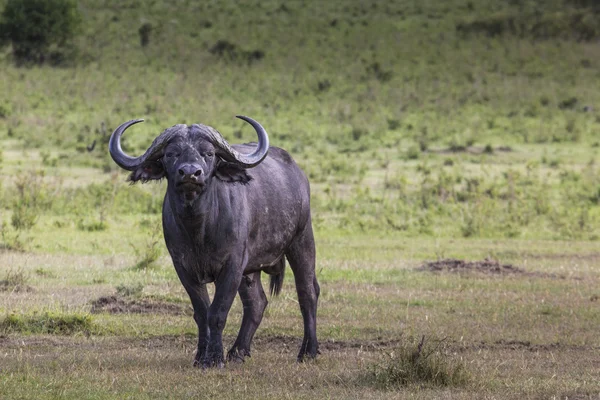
(149, 253)
(145, 30)
(130, 290)
(228, 51)
(32, 196)
(15, 281)
(421, 365)
(39, 30)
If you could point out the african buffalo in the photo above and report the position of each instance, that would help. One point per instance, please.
(229, 213)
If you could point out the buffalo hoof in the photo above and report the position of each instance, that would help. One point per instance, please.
(214, 361)
(237, 356)
(306, 357)
(198, 361)
(308, 352)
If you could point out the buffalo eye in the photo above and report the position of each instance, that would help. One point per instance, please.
(209, 154)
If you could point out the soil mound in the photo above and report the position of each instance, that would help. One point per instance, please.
(120, 305)
(486, 266)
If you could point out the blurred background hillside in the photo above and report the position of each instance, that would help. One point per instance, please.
(463, 117)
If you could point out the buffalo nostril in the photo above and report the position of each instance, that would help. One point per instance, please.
(181, 172)
(198, 173)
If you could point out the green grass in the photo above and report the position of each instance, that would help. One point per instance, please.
(47, 322)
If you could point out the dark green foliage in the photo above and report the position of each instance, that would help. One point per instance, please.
(4, 110)
(571, 23)
(568, 104)
(47, 322)
(376, 71)
(228, 51)
(39, 30)
(324, 85)
(145, 30)
(595, 4)
(393, 124)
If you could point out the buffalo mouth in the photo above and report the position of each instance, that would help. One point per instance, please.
(187, 186)
(190, 189)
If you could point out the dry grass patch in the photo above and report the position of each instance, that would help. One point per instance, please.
(421, 364)
(15, 281)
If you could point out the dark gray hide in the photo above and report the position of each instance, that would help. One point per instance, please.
(229, 213)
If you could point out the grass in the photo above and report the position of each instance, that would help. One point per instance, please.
(14, 281)
(420, 365)
(428, 131)
(511, 334)
(47, 322)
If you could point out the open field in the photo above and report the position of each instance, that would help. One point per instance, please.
(519, 335)
(432, 132)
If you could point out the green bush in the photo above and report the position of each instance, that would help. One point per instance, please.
(39, 30)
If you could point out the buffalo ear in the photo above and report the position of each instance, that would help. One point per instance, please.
(232, 172)
(152, 170)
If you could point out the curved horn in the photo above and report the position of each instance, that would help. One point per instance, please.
(246, 160)
(124, 160)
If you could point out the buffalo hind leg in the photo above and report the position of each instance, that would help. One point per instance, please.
(301, 256)
(254, 301)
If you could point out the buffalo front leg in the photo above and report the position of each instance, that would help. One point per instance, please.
(301, 256)
(225, 290)
(200, 303)
(254, 301)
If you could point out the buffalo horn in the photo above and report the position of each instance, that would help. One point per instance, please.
(124, 160)
(246, 160)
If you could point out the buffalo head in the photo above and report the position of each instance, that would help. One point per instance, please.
(189, 157)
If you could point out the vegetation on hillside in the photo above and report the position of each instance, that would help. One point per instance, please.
(39, 30)
(469, 118)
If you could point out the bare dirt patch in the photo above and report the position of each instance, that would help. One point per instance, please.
(121, 305)
(293, 343)
(472, 149)
(520, 345)
(486, 266)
